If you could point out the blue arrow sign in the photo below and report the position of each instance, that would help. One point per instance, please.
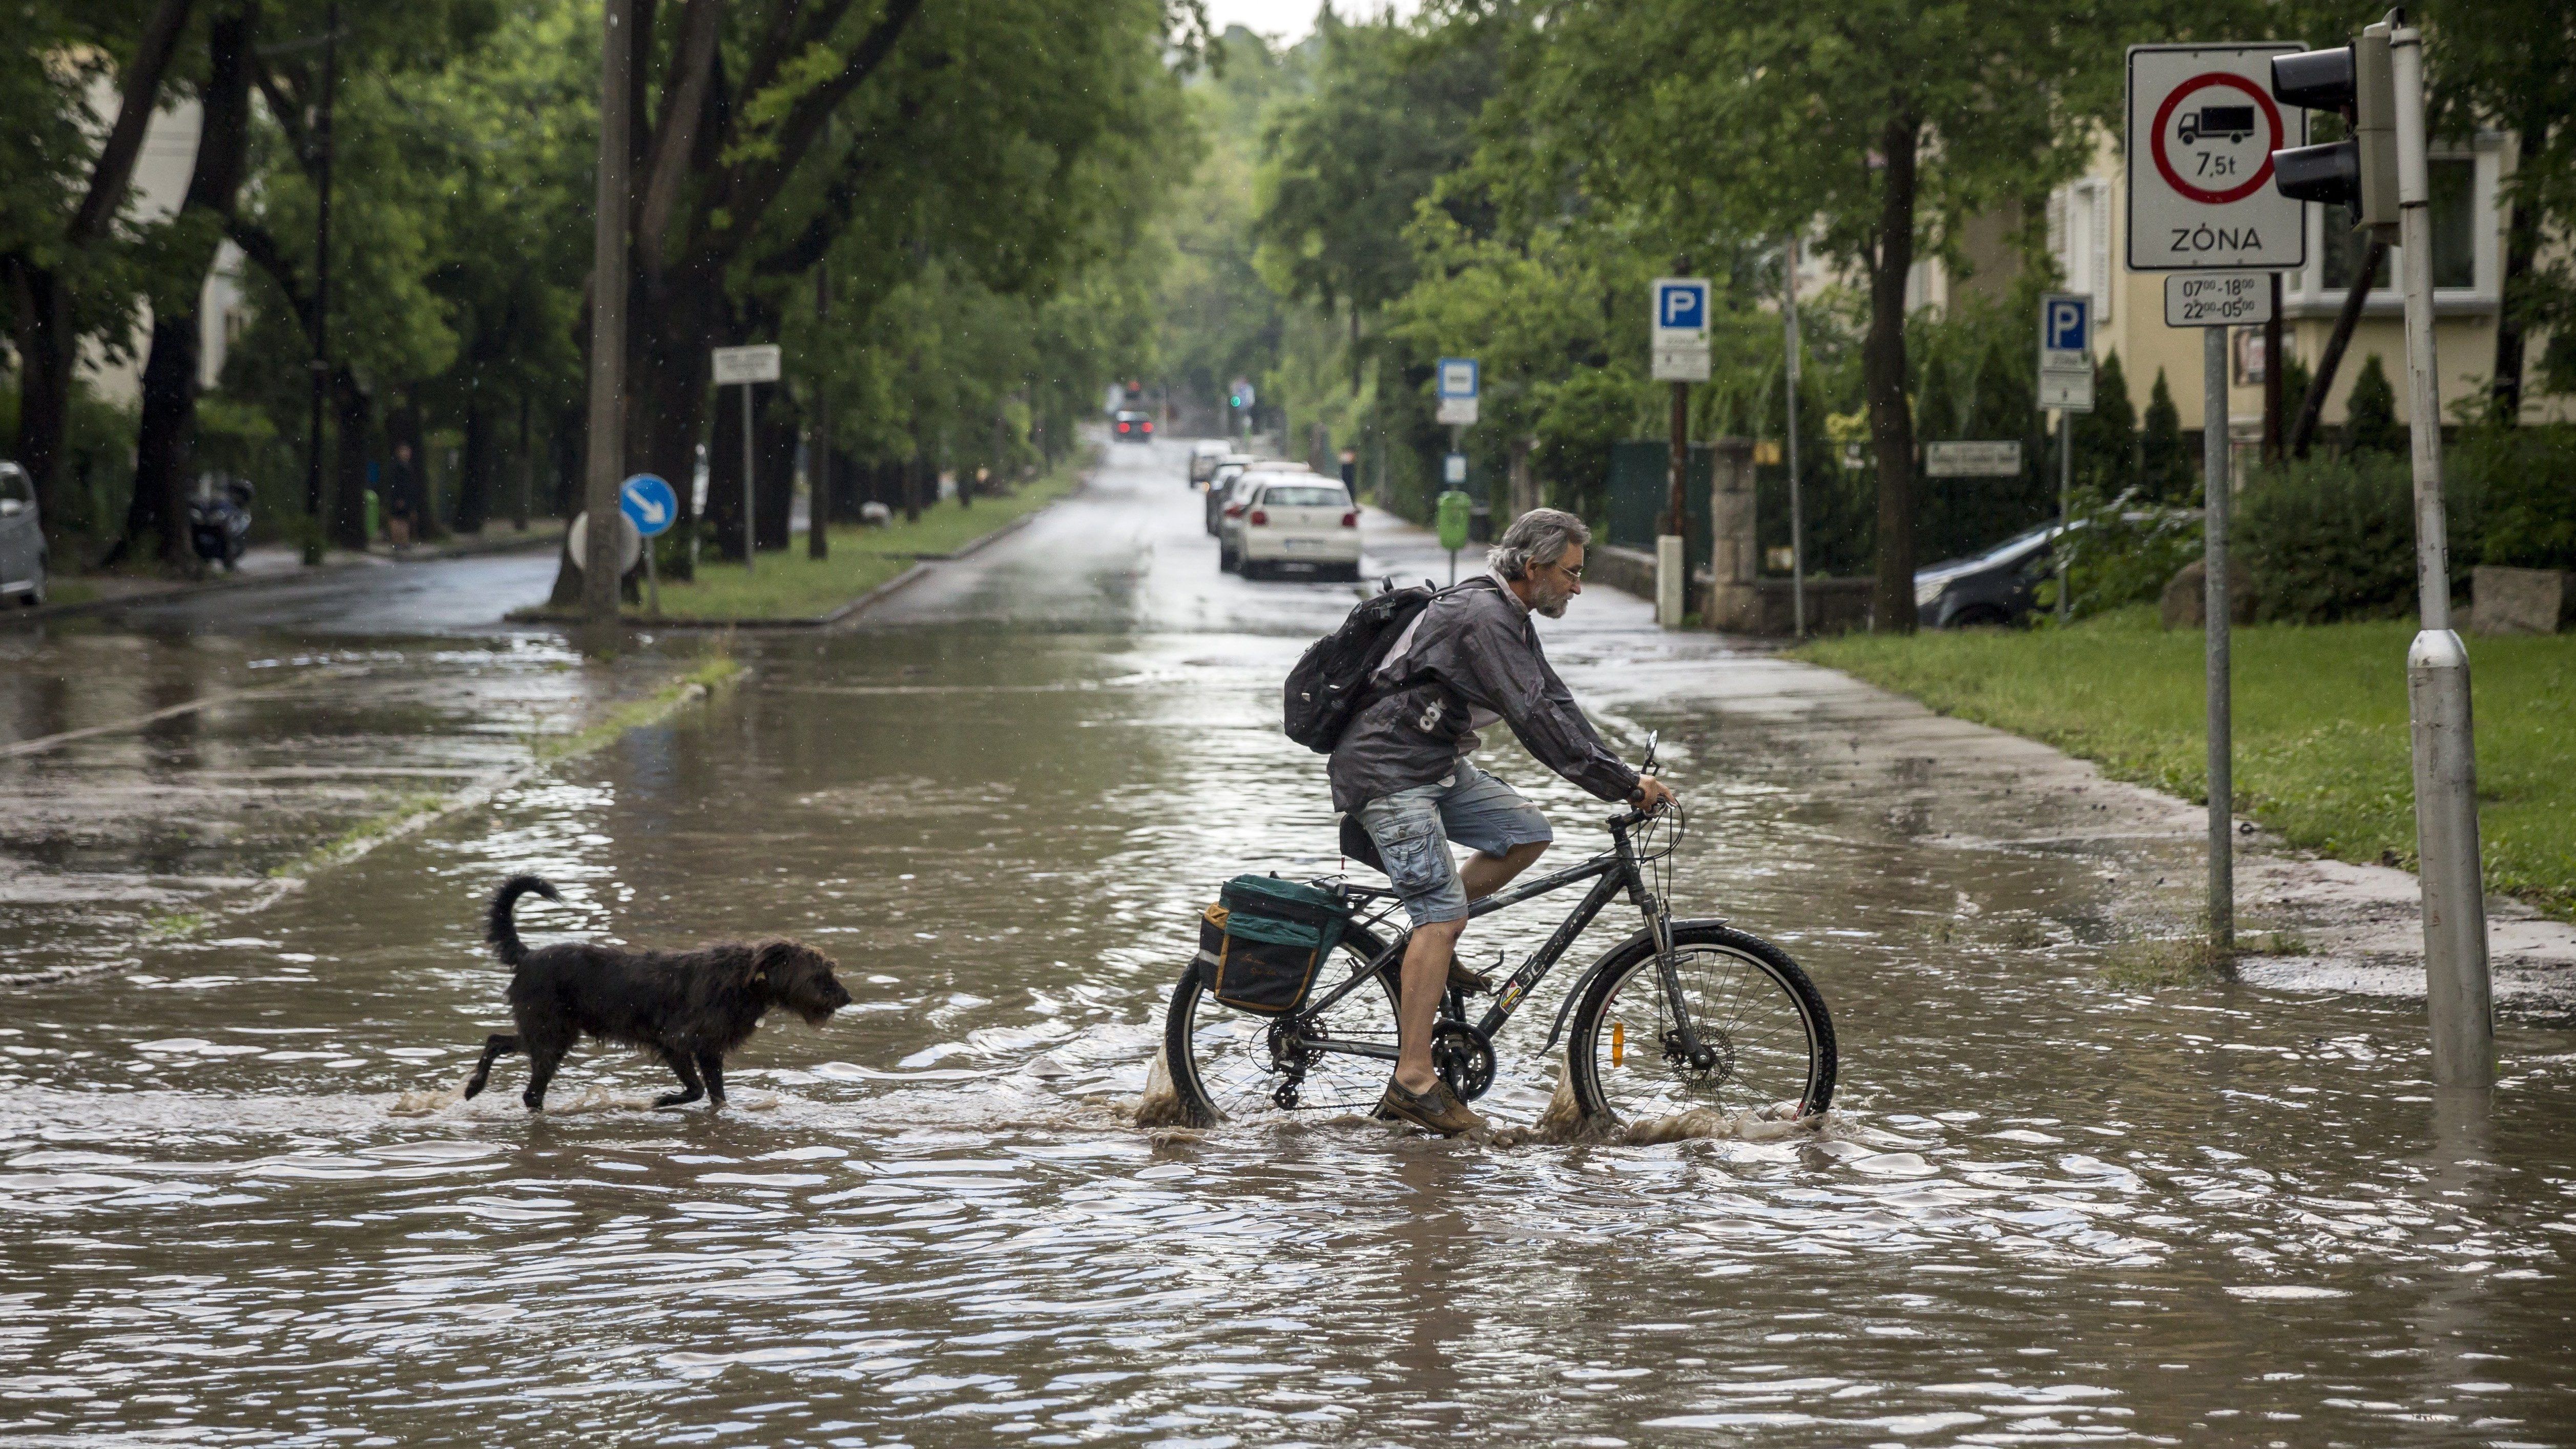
(650, 502)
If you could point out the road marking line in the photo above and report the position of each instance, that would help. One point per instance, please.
(226, 696)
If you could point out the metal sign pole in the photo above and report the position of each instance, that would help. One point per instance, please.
(2065, 507)
(2222, 784)
(1797, 519)
(749, 545)
(2458, 994)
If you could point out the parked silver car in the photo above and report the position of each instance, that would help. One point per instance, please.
(22, 538)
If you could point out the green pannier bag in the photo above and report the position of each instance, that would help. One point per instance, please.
(1264, 940)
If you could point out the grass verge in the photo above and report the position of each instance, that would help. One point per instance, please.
(788, 585)
(2321, 728)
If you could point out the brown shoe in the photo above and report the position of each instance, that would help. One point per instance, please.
(1468, 981)
(1437, 1110)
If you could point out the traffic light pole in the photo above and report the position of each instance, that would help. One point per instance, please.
(2458, 997)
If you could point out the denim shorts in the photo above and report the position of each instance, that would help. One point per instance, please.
(1412, 830)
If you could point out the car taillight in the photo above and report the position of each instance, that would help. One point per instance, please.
(1122, 427)
(1149, 427)
(1259, 519)
(1351, 519)
(1234, 510)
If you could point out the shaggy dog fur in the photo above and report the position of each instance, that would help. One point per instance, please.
(690, 1008)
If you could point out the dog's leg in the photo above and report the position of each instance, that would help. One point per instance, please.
(542, 1061)
(495, 1047)
(711, 1066)
(688, 1076)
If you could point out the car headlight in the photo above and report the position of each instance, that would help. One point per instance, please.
(1925, 591)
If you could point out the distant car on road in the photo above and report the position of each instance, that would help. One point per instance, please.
(1295, 523)
(1205, 454)
(1130, 426)
(22, 538)
(1228, 468)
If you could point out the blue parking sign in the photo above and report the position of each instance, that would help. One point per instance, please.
(2067, 324)
(1681, 305)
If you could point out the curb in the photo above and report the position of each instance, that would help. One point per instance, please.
(913, 575)
(300, 575)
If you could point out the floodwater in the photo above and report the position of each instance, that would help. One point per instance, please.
(239, 1202)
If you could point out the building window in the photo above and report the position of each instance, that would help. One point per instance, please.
(2079, 237)
(2453, 186)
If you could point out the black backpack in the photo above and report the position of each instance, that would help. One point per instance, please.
(1330, 683)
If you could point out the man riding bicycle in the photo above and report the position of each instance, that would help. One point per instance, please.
(1401, 767)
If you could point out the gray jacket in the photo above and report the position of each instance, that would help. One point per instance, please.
(1472, 652)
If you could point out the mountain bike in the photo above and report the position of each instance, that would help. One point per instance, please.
(1685, 1013)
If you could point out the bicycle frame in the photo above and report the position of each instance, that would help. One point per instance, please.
(1616, 870)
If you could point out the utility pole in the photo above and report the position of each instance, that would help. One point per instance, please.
(321, 363)
(607, 460)
(2458, 994)
(2214, 602)
(1797, 515)
(2378, 82)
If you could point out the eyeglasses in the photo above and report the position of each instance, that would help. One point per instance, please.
(1574, 574)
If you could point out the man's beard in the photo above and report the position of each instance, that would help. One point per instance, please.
(1554, 608)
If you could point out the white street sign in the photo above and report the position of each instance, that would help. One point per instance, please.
(1453, 469)
(1677, 323)
(1972, 460)
(2201, 132)
(1459, 411)
(630, 543)
(1682, 363)
(746, 364)
(2225, 299)
(1458, 377)
(2066, 391)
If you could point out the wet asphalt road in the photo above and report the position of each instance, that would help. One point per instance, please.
(243, 1203)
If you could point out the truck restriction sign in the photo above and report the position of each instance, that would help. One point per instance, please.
(2201, 133)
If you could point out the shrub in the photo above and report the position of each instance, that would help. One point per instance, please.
(2164, 469)
(2514, 497)
(2370, 413)
(2329, 539)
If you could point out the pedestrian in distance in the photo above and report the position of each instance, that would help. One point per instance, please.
(1468, 660)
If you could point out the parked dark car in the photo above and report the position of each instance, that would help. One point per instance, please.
(1993, 587)
(1132, 427)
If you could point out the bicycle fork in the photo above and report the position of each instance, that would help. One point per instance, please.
(1659, 919)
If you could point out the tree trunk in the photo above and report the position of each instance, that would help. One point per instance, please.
(724, 475)
(158, 511)
(352, 413)
(2521, 254)
(2312, 408)
(1891, 424)
(775, 429)
(475, 480)
(44, 380)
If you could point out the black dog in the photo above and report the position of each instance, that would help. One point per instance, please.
(687, 1007)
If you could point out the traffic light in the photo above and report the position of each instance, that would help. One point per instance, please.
(2360, 172)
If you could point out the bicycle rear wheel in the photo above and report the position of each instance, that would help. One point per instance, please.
(1233, 1066)
(1749, 1004)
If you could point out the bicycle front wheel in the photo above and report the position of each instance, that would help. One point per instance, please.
(1233, 1066)
(1754, 1011)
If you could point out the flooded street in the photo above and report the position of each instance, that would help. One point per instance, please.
(243, 1204)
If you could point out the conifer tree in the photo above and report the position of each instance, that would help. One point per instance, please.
(2370, 412)
(2164, 468)
(2106, 439)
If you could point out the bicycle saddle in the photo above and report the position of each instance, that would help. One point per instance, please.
(1356, 845)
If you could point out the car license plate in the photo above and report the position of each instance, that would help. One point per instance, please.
(1300, 543)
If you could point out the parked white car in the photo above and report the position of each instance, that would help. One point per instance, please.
(1295, 523)
(22, 538)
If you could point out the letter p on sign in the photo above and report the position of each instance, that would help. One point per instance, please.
(2066, 325)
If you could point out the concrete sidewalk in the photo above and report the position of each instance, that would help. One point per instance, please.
(275, 563)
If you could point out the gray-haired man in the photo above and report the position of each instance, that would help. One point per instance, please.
(1470, 659)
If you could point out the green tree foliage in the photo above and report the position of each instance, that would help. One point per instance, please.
(2164, 468)
(1216, 318)
(2370, 412)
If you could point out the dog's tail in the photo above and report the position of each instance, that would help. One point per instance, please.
(504, 935)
